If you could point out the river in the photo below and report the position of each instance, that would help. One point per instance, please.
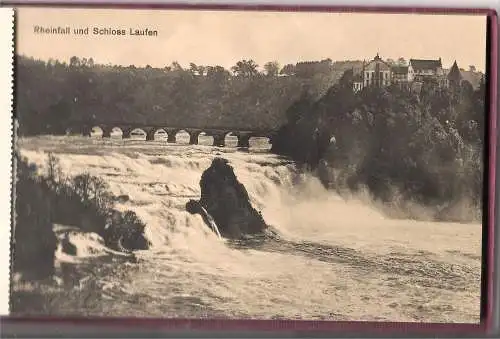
(337, 259)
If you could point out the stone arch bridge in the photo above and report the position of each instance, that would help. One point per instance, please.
(218, 134)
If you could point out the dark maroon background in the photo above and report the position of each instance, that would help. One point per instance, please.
(126, 327)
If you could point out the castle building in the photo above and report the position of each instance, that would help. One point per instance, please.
(376, 73)
(400, 75)
(422, 70)
(379, 73)
(454, 77)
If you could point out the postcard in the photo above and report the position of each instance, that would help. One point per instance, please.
(233, 164)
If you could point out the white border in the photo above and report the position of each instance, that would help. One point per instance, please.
(6, 83)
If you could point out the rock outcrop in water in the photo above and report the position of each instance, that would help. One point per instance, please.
(227, 201)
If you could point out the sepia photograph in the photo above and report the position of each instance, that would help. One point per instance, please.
(266, 165)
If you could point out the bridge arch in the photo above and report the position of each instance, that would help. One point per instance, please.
(160, 134)
(96, 131)
(183, 136)
(260, 142)
(117, 131)
(136, 133)
(104, 131)
(231, 139)
(114, 132)
(205, 138)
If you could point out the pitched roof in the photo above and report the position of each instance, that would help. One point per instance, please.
(399, 69)
(454, 73)
(421, 64)
(377, 62)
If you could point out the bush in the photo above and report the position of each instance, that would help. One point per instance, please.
(85, 201)
(125, 232)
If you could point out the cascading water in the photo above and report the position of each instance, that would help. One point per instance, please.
(333, 258)
(211, 222)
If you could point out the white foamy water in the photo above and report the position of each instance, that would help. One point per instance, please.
(338, 259)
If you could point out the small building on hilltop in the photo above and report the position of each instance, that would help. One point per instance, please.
(457, 76)
(425, 69)
(380, 73)
(377, 73)
(400, 75)
(454, 77)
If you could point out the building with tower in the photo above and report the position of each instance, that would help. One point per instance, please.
(379, 73)
(454, 77)
(376, 73)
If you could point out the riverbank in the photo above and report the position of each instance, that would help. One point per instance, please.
(77, 287)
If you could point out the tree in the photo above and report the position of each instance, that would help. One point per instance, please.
(217, 73)
(175, 66)
(193, 68)
(402, 61)
(74, 62)
(272, 68)
(197, 70)
(288, 69)
(245, 68)
(202, 70)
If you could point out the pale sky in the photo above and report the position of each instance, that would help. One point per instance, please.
(224, 37)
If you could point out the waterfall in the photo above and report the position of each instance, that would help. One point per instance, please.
(210, 221)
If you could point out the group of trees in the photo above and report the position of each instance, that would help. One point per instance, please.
(426, 146)
(400, 62)
(50, 94)
(53, 198)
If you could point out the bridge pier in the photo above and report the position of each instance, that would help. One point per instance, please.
(243, 141)
(86, 131)
(106, 132)
(193, 137)
(219, 139)
(71, 131)
(126, 132)
(150, 134)
(171, 135)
